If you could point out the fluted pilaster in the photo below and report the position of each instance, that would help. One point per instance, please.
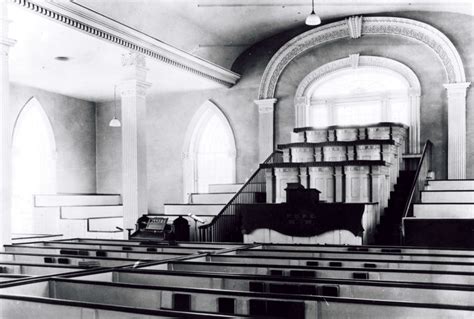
(133, 103)
(265, 127)
(414, 139)
(457, 129)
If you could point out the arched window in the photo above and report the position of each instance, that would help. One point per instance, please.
(359, 96)
(34, 164)
(209, 151)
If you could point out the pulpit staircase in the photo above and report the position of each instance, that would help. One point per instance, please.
(388, 230)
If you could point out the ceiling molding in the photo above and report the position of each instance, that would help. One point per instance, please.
(85, 20)
(419, 31)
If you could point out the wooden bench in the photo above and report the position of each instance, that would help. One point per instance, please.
(348, 288)
(245, 303)
(346, 262)
(454, 277)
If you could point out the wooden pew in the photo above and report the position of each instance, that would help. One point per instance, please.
(345, 262)
(119, 246)
(32, 269)
(244, 303)
(45, 308)
(11, 277)
(358, 254)
(200, 245)
(453, 277)
(371, 248)
(348, 288)
(150, 253)
(84, 261)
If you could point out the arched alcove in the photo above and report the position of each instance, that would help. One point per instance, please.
(360, 90)
(209, 151)
(33, 163)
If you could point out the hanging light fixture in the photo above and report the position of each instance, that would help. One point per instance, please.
(115, 122)
(313, 19)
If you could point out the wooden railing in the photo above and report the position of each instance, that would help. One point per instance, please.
(226, 226)
(419, 182)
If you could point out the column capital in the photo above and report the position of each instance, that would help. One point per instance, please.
(134, 65)
(265, 105)
(457, 89)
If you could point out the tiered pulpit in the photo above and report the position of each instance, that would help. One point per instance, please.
(347, 164)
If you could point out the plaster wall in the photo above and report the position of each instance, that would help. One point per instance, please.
(168, 118)
(108, 150)
(73, 123)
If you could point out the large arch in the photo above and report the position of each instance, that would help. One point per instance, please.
(33, 163)
(355, 61)
(355, 27)
(198, 129)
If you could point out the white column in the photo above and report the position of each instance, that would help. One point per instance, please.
(265, 127)
(414, 131)
(133, 102)
(457, 129)
(5, 132)
(302, 111)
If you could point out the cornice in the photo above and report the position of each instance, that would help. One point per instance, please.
(99, 26)
(348, 28)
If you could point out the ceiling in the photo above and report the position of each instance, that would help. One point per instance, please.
(215, 30)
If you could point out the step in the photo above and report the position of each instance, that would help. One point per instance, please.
(196, 209)
(211, 198)
(447, 196)
(224, 188)
(107, 224)
(85, 212)
(55, 200)
(439, 232)
(464, 184)
(446, 210)
(78, 228)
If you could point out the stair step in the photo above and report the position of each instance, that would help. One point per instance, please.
(196, 209)
(85, 212)
(224, 188)
(106, 224)
(211, 198)
(441, 210)
(452, 185)
(55, 200)
(461, 196)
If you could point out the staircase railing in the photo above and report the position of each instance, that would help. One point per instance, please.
(226, 226)
(419, 182)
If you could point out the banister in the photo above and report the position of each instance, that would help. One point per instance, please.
(425, 159)
(272, 157)
(241, 189)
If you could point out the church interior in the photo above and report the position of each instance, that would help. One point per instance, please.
(236, 158)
